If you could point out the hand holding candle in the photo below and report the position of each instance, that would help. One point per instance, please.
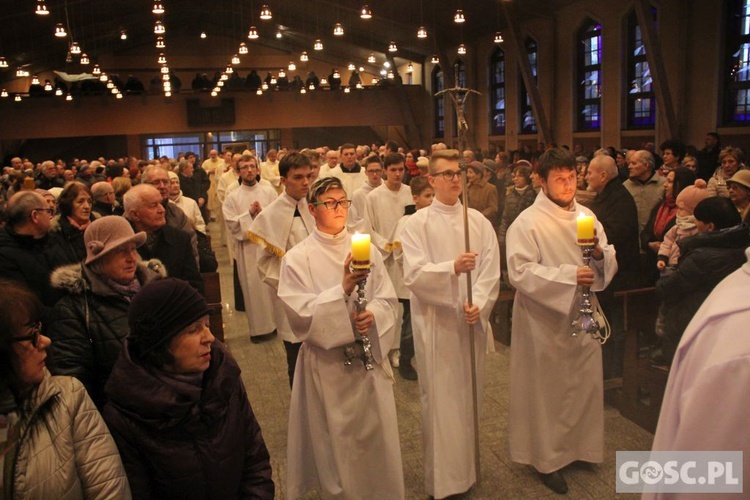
(585, 229)
(360, 251)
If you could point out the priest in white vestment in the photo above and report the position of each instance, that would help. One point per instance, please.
(706, 405)
(374, 172)
(384, 207)
(349, 172)
(228, 182)
(435, 263)
(279, 227)
(556, 412)
(240, 208)
(343, 436)
(269, 170)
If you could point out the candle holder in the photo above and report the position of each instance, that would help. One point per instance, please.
(585, 321)
(362, 348)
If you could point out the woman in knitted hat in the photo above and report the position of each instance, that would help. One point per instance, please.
(89, 324)
(177, 407)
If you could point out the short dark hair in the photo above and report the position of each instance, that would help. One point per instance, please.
(18, 306)
(556, 158)
(683, 177)
(418, 185)
(391, 146)
(68, 196)
(677, 147)
(347, 145)
(717, 210)
(293, 161)
(392, 159)
(373, 158)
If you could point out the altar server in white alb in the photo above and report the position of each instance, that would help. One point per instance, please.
(280, 226)
(343, 437)
(435, 266)
(240, 208)
(556, 391)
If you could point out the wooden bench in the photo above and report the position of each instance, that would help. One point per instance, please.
(213, 298)
(642, 384)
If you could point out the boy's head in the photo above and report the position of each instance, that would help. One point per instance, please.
(689, 198)
(716, 213)
(421, 192)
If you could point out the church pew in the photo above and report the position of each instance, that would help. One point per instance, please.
(213, 298)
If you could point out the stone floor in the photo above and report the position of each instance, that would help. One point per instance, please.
(264, 373)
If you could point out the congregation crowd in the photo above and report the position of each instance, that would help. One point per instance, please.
(101, 265)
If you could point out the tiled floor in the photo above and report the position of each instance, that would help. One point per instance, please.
(264, 374)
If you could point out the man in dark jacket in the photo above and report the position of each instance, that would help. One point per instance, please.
(22, 242)
(616, 210)
(171, 246)
(104, 199)
(48, 177)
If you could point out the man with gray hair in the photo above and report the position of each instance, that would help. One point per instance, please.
(645, 185)
(48, 178)
(145, 211)
(22, 242)
(616, 210)
(104, 199)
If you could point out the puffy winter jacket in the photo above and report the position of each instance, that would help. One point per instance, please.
(65, 243)
(22, 259)
(89, 324)
(180, 440)
(64, 450)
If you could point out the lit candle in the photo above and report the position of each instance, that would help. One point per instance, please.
(360, 251)
(585, 229)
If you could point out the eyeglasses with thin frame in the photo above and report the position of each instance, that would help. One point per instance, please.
(448, 175)
(332, 204)
(50, 211)
(36, 331)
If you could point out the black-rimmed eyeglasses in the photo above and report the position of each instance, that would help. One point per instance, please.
(50, 211)
(332, 204)
(448, 175)
(36, 331)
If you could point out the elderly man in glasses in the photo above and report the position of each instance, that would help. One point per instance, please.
(435, 258)
(339, 409)
(21, 243)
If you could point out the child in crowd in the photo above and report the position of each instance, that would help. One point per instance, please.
(422, 194)
(669, 251)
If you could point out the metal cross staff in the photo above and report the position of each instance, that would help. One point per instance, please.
(459, 95)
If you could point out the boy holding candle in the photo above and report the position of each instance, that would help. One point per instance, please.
(343, 435)
(556, 411)
(435, 259)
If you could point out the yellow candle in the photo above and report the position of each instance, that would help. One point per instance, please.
(360, 251)
(585, 229)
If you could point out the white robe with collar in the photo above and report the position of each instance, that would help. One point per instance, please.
(356, 217)
(556, 413)
(343, 436)
(350, 180)
(258, 304)
(706, 405)
(275, 231)
(431, 240)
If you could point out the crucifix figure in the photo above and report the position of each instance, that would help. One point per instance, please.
(458, 95)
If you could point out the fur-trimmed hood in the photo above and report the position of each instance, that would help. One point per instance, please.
(71, 278)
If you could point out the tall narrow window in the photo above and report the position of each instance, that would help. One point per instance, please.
(497, 92)
(459, 75)
(736, 99)
(641, 101)
(528, 122)
(438, 84)
(589, 76)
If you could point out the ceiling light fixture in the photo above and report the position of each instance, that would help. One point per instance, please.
(69, 97)
(303, 90)
(60, 31)
(4, 93)
(422, 32)
(243, 48)
(365, 12)
(462, 49)
(279, 35)
(336, 74)
(303, 57)
(264, 86)
(253, 33)
(3, 62)
(459, 17)
(292, 66)
(103, 77)
(235, 59)
(17, 98)
(371, 58)
(97, 70)
(203, 35)
(265, 13)
(47, 86)
(229, 70)
(273, 80)
(58, 92)
(435, 59)
(158, 8)
(118, 95)
(347, 90)
(312, 86)
(21, 73)
(162, 58)
(351, 67)
(318, 45)
(391, 75)
(85, 59)
(41, 8)
(259, 92)
(499, 37)
(324, 81)
(159, 28)
(123, 35)
(392, 46)
(75, 48)
(338, 30)
(410, 68)
(160, 42)
(282, 73)
(35, 80)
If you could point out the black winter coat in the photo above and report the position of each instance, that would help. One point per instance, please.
(22, 259)
(89, 324)
(65, 243)
(173, 248)
(705, 260)
(615, 208)
(181, 441)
